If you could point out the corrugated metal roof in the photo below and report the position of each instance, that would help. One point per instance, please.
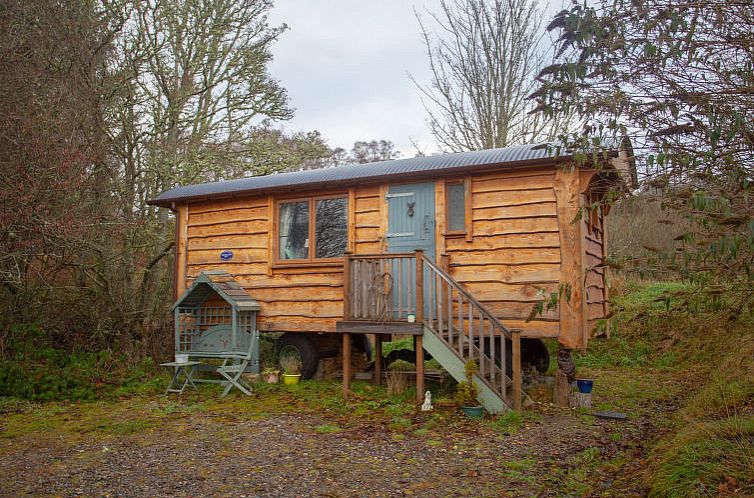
(519, 155)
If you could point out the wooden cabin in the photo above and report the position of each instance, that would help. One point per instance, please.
(467, 243)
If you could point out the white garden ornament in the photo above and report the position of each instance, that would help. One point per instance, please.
(427, 405)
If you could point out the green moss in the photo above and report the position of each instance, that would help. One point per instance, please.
(516, 469)
(327, 429)
(507, 423)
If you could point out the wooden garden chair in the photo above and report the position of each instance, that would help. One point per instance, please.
(232, 369)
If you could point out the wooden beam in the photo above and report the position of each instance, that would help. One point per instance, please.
(382, 328)
(419, 351)
(572, 304)
(468, 207)
(378, 359)
(383, 206)
(271, 231)
(181, 261)
(347, 286)
(516, 340)
(346, 365)
(419, 254)
(351, 219)
(439, 216)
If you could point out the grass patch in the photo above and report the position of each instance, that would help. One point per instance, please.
(663, 353)
(516, 469)
(707, 459)
(327, 429)
(129, 427)
(508, 422)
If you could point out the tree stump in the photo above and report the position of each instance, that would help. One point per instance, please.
(562, 389)
(581, 400)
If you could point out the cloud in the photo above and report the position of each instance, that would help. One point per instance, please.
(344, 64)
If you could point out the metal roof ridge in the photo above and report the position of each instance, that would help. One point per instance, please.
(515, 154)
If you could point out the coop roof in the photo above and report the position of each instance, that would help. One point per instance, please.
(221, 283)
(518, 156)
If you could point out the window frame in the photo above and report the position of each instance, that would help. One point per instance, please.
(311, 260)
(467, 222)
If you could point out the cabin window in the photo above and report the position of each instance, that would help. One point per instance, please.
(456, 193)
(331, 228)
(294, 230)
(313, 228)
(458, 208)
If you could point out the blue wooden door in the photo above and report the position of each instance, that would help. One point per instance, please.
(411, 218)
(411, 226)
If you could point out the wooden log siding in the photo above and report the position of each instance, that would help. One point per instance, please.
(595, 279)
(308, 298)
(367, 216)
(513, 258)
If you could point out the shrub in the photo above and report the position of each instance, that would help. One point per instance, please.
(36, 370)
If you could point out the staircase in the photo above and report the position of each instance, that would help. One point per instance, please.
(409, 288)
(458, 328)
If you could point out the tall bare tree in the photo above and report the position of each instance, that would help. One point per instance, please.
(484, 57)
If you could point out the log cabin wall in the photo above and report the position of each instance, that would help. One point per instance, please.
(512, 259)
(296, 298)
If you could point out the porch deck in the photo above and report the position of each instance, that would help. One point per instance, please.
(408, 294)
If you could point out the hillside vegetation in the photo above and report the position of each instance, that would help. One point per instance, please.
(691, 374)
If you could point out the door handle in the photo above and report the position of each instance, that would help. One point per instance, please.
(427, 223)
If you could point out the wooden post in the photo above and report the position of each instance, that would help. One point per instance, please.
(346, 286)
(445, 263)
(572, 308)
(419, 285)
(378, 359)
(346, 365)
(419, 350)
(443, 296)
(181, 258)
(516, 339)
(561, 390)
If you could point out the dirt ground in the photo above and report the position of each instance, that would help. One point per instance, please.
(312, 443)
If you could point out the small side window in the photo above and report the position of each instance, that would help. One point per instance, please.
(455, 194)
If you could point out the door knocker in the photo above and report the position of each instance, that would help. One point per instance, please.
(410, 209)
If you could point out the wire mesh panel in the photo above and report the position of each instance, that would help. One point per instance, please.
(214, 330)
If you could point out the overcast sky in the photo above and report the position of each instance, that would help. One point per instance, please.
(345, 64)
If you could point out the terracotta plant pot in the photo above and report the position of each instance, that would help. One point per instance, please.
(272, 378)
(473, 411)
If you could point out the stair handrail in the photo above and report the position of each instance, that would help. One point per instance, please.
(508, 333)
(467, 295)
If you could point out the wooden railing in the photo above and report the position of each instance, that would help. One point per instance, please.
(405, 287)
(382, 287)
(468, 328)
